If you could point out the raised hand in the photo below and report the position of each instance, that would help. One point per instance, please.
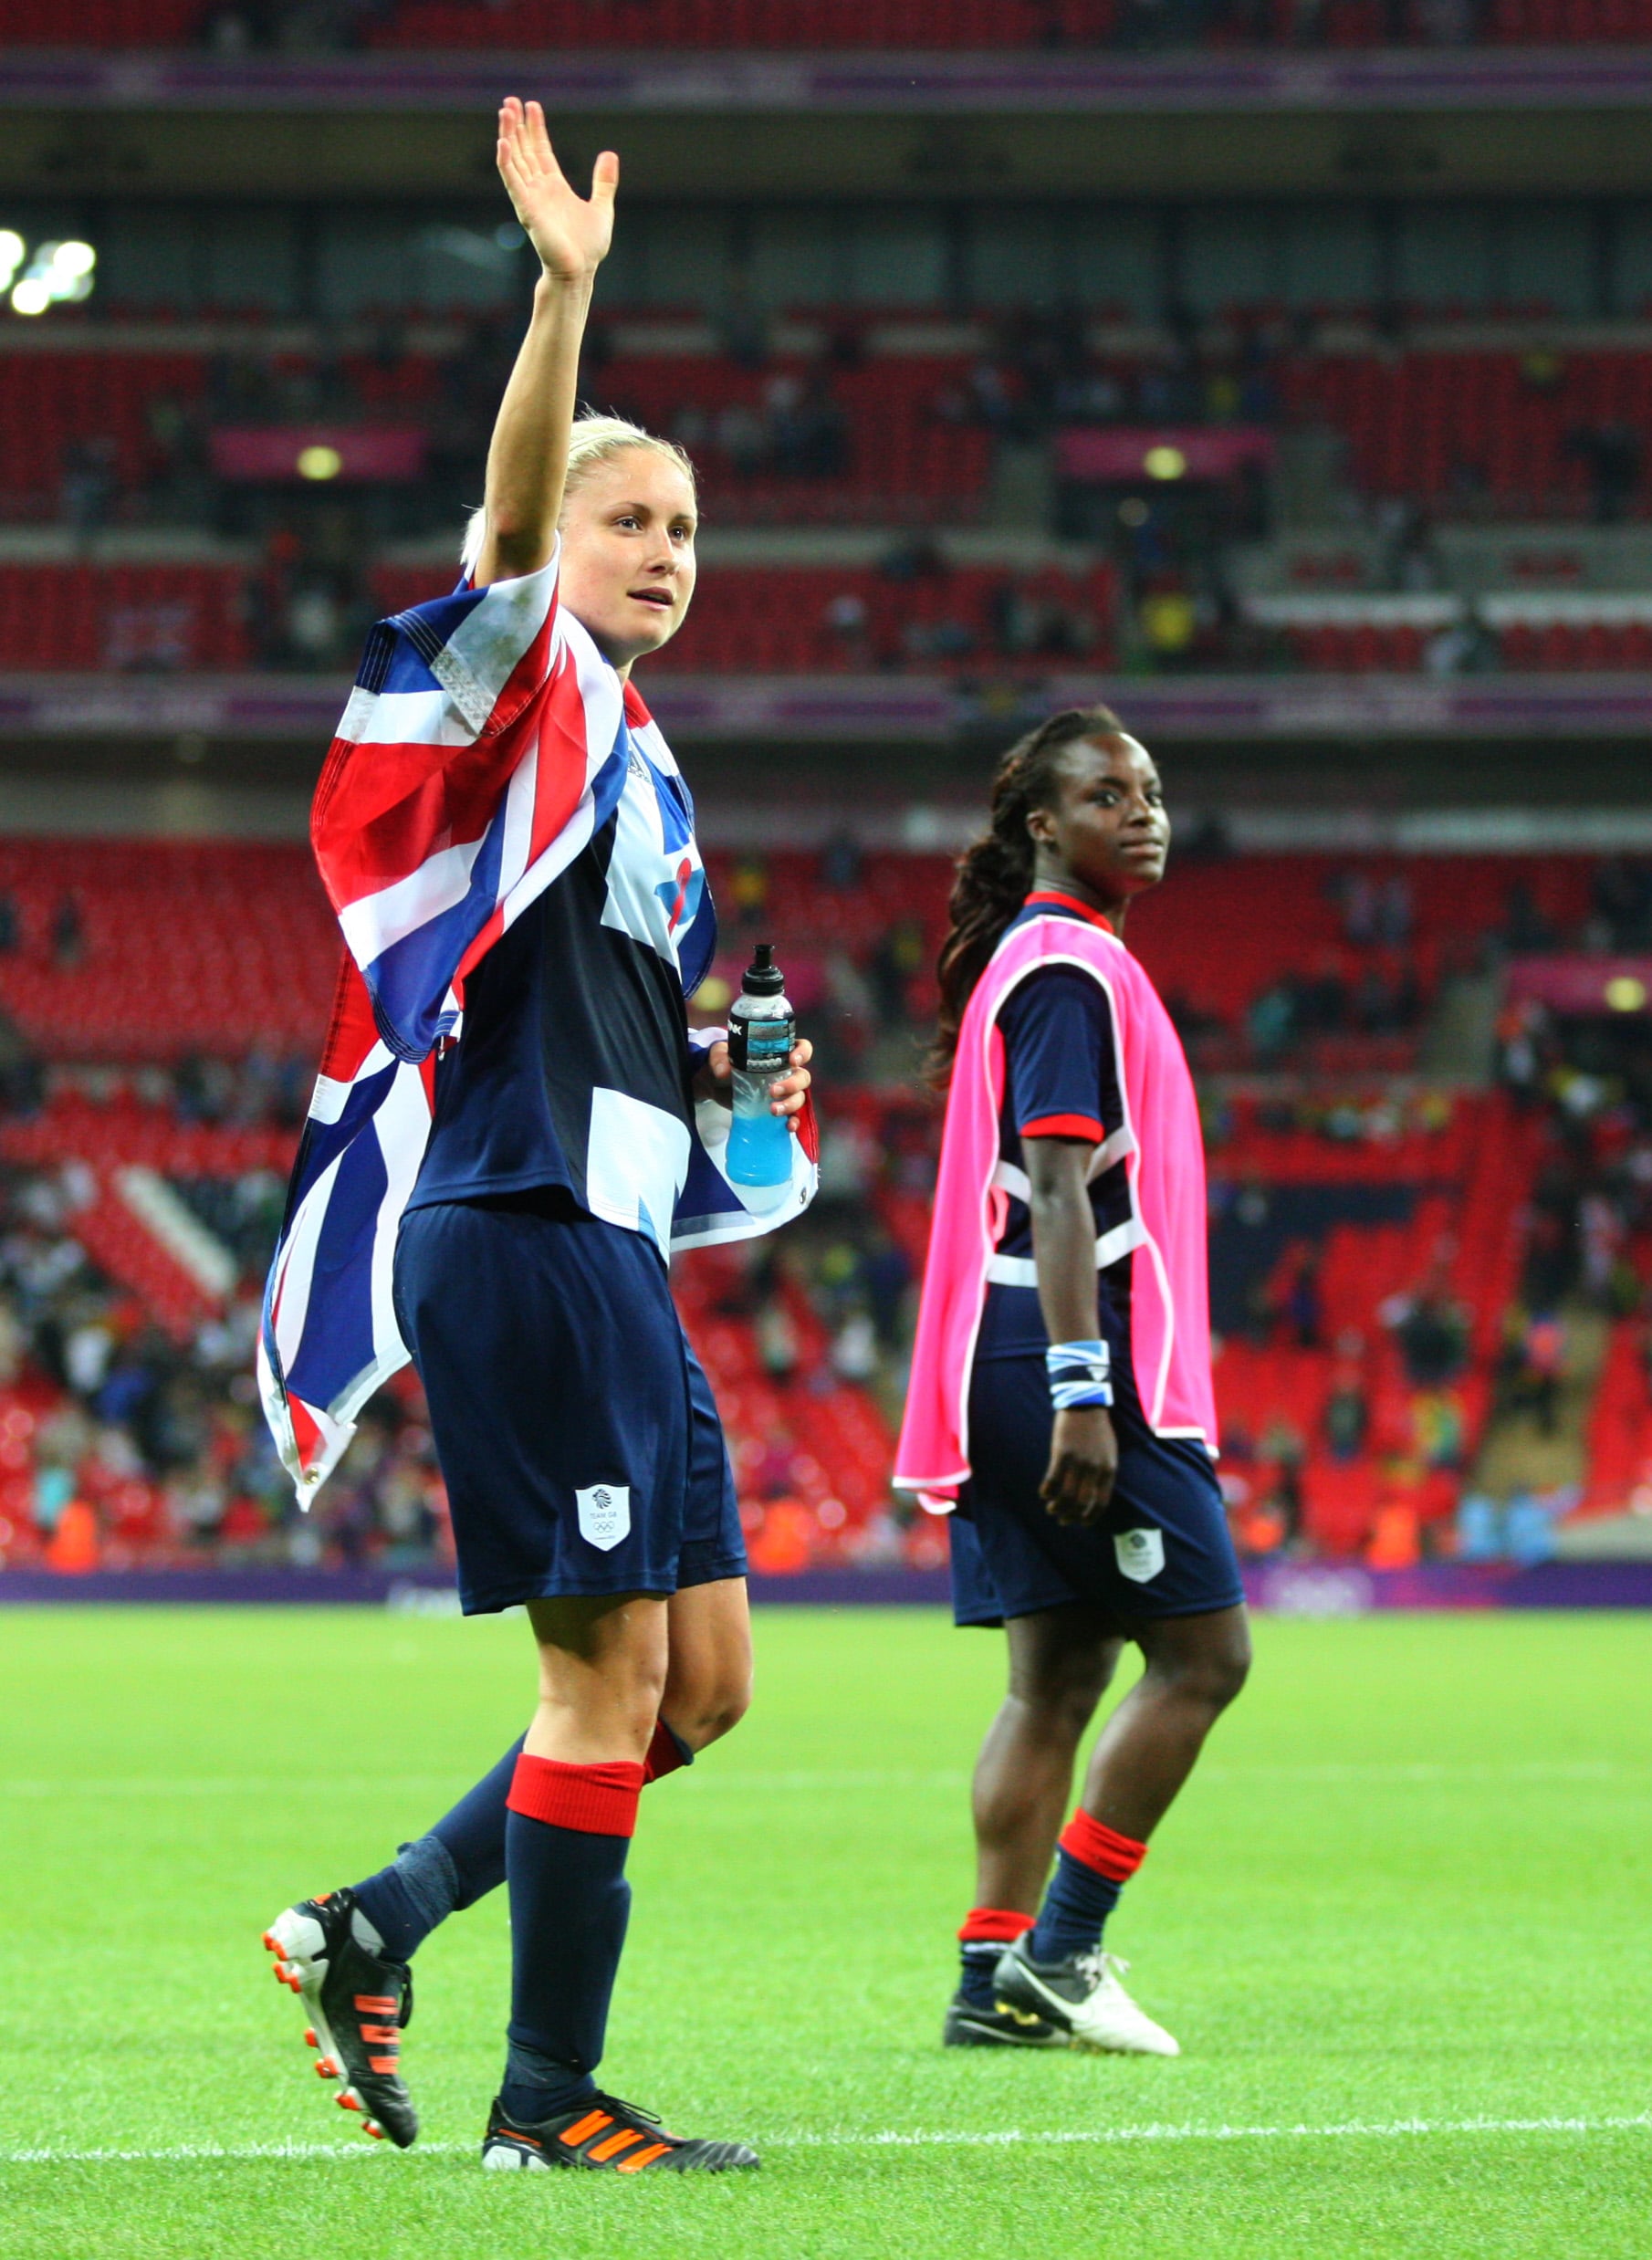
(570, 233)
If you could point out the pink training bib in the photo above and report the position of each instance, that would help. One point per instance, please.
(1164, 1169)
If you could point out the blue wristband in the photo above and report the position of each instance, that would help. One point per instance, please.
(1080, 1374)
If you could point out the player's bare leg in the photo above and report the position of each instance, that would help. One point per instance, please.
(707, 1688)
(1060, 1663)
(572, 1807)
(1194, 1667)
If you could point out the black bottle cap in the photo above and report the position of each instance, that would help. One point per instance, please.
(762, 977)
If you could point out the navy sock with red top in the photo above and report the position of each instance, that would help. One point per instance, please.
(1093, 1865)
(463, 1857)
(982, 1938)
(567, 1833)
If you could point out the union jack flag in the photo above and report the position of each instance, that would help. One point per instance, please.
(484, 745)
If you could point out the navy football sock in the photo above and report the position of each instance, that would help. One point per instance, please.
(1093, 1865)
(566, 1836)
(985, 1934)
(463, 1857)
(459, 1862)
(976, 1963)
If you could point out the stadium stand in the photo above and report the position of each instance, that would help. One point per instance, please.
(1369, 1240)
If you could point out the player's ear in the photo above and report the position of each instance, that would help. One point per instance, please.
(1041, 825)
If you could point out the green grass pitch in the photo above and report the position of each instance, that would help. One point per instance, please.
(1400, 1922)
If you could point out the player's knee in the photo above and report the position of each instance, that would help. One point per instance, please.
(1064, 1692)
(1213, 1675)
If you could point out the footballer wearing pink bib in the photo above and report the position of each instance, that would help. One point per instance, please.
(1061, 1409)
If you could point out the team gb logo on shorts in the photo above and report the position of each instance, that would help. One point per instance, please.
(604, 1514)
(1141, 1554)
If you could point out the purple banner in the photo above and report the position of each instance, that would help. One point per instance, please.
(890, 84)
(760, 709)
(1583, 984)
(1132, 452)
(369, 454)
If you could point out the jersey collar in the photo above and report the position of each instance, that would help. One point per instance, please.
(1069, 902)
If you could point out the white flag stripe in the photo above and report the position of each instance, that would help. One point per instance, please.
(403, 718)
(331, 1094)
(490, 642)
(376, 923)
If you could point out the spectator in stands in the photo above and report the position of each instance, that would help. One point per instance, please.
(741, 326)
(842, 861)
(1168, 619)
(1303, 1306)
(1347, 1414)
(743, 437)
(748, 890)
(89, 486)
(1613, 454)
(1432, 1333)
(1464, 646)
(900, 956)
(1621, 895)
(1542, 1368)
(68, 935)
(847, 619)
(1526, 929)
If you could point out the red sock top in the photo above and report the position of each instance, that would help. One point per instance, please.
(597, 1800)
(665, 1754)
(1093, 1845)
(1000, 1925)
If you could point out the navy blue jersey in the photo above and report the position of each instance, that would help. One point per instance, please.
(1061, 1080)
(572, 1064)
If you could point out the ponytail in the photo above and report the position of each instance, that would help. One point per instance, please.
(995, 873)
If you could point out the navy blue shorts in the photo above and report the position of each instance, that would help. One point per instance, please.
(578, 1436)
(1164, 1551)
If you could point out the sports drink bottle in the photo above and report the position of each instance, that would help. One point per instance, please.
(761, 1032)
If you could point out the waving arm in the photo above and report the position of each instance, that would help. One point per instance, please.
(527, 459)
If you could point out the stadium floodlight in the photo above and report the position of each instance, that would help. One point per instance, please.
(1164, 462)
(57, 273)
(318, 461)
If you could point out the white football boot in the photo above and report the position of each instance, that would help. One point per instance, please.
(1083, 1997)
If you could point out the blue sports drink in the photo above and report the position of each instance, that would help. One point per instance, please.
(761, 1032)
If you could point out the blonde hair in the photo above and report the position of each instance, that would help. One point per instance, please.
(594, 439)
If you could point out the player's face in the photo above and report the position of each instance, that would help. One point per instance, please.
(1109, 828)
(628, 561)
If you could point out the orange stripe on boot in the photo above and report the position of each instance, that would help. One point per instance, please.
(611, 2145)
(640, 2159)
(592, 2123)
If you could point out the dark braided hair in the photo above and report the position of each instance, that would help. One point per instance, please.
(995, 873)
